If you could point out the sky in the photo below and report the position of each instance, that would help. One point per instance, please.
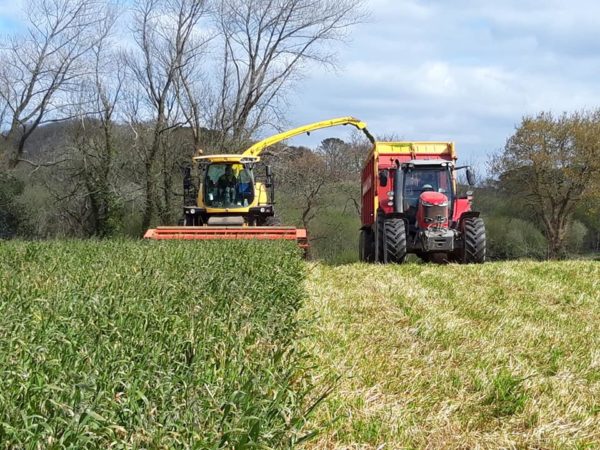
(460, 70)
(10, 15)
(464, 71)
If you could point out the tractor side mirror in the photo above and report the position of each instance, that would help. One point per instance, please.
(470, 176)
(187, 178)
(269, 180)
(383, 178)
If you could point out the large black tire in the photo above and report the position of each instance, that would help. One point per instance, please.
(378, 240)
(366, 246)
(188, 220)
(474, 241)
(272, 221)
(394, 240)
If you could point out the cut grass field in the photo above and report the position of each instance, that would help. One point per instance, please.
(501, 355)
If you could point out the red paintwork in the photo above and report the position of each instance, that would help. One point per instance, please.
(461, 206)
(435, 199)
(371, 187)
(369, 182)
(216, 233)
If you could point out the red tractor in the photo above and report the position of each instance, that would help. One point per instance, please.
(410, 205)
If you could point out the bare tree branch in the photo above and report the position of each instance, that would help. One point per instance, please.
(266, 46)
(40, 64)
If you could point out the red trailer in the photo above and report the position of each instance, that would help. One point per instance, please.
(410, 205)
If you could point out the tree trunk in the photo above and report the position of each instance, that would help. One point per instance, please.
(149, 198)
(556, 239)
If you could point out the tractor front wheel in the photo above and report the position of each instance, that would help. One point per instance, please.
(474, 241)
(394, 241)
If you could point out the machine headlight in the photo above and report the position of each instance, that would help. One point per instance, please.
(192, 211)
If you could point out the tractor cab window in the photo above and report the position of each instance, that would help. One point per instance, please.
(228, 185)
(421, 179)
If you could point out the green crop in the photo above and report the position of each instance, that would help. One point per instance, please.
(151, 345)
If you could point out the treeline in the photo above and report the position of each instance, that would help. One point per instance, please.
(135, 88)
(315, 188)
(540, 198)
(101, 108)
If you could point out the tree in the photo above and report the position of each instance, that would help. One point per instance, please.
(343, 162)
(41, 64)
(335, 153)
(552, 162)
(12, 215)
(167, 42)
(303, 175)
(89, 164)
(266, 46)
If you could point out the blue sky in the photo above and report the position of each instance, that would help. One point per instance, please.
(460, 70)
(10, 12)
(449, 70)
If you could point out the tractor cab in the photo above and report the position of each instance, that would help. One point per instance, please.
(424, 183)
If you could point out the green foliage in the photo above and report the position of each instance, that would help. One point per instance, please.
(576, 236)
(123, 344)
(12, 215)
(38, 205)
(511, 238)
(553, 162)
(336, 237)
(506, 394)
(335, 228)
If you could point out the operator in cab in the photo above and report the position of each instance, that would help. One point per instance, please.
(228, 179)
(226, 185)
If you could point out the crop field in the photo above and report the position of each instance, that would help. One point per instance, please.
(150, 345)
(503, 355)
(123, 344)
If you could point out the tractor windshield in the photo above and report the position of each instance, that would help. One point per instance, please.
(228, 185)
(422, 179)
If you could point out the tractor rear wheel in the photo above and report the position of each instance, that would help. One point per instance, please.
(394, 240)
(474, 241)
(366, 250)
(379, 249)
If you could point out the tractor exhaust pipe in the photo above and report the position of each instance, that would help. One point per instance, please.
(398, 184)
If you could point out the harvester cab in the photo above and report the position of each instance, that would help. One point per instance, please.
(232, 200)
(229, 193)
(411, 205)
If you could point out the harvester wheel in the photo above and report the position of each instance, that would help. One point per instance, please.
(272, 221)
(474, 241)
(366, 249)
(394, 239)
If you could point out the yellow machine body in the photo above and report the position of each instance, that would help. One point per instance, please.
(211, 219)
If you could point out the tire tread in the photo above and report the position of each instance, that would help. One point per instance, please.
(474, 241)
(394, 241)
